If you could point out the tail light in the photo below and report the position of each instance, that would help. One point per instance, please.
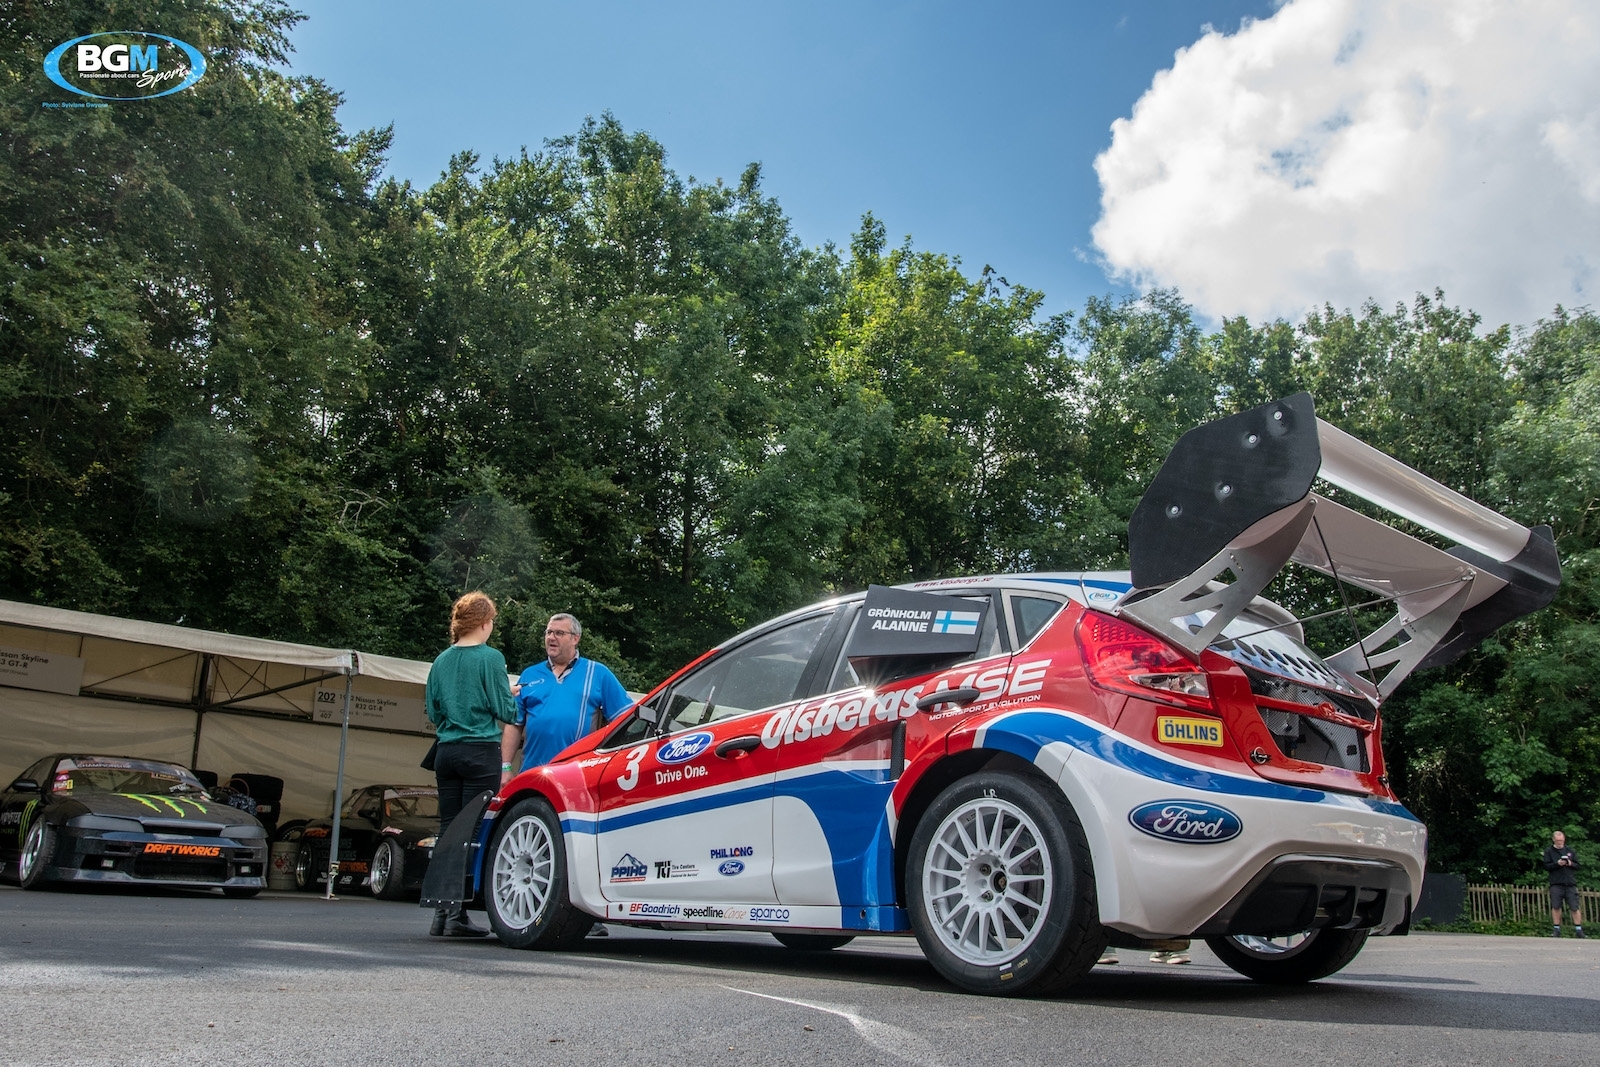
(1125, 659)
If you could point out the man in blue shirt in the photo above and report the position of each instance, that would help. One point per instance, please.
(557, 700)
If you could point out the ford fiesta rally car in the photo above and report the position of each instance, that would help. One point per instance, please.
(1020, 769)
(118, 820)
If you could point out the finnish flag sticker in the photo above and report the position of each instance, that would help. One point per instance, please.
(955, 622)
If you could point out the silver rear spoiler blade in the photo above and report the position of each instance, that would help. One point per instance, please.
(1232, 506)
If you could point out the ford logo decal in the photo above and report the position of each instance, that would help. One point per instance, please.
(685, 748)
(1186, 820)
(730, 868)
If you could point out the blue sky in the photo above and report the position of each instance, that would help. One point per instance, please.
(971, 127)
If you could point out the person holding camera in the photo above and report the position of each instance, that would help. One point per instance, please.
(1562, 863)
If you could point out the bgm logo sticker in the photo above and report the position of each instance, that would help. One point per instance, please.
(685, 748)
(125, 65)
(1186, 821)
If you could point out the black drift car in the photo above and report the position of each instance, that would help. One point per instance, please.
(386, 837)
(121, 820)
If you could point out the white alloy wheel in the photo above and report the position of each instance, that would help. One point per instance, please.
(31, 848)
(524, 872)
(987, 881)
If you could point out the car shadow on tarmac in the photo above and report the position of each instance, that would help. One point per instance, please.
(1355, 999)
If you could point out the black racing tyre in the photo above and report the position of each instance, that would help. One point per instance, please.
(1291, 960)
(525, 880)
(38, 853)
(241, 892)
(305, 869)
(1000, 887)
(387, 872)
(814, 942)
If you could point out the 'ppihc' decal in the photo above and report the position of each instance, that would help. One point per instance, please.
(1186, 821)
(629, 869)
(685, 748)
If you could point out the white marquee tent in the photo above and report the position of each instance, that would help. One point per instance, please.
(76, 682)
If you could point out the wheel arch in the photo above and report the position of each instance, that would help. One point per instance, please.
(935, 780)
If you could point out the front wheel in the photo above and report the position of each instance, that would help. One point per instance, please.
(526, 895)
(388, 876)
(1001, 887)
(38, 852)
(814, 942)
(1291, 960)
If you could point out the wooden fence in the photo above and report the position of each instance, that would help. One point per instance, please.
(1516, 903)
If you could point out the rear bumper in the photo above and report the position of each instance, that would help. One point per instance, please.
(1288, 838)
(1300, 892)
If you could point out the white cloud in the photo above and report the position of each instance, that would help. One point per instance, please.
(1347, 149)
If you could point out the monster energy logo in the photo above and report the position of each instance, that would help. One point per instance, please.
(27, 817)
(149, 801)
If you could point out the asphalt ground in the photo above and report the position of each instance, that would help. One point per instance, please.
(172, 978)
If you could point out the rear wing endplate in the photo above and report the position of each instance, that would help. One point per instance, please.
(1232, 506)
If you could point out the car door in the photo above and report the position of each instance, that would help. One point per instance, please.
(830, 833)
(685, 814)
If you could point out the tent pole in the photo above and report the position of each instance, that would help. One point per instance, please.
(338, 783)
(199, 706)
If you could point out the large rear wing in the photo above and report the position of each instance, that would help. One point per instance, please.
(1232, 506)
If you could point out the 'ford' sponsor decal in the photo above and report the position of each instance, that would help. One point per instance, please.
(1187, 821)
(685, 748)
(731, 868)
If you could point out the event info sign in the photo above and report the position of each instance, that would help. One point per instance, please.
(46, 671)
(372, 710)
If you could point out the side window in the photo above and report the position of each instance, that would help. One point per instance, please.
(1030, 614)
(990, 643)
(357, 801)
(757, 674)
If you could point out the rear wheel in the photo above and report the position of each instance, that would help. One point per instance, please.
(38, 852)
(388, 870)
(1291, 960)
(526, 895)
(1001, 887)
(305, 870)
(814, 942)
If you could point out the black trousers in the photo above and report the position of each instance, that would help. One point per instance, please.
(464, 769)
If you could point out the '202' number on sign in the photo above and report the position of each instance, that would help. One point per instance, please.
(631, 778)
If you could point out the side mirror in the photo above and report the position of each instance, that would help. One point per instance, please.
(649, 714)
(24, 785)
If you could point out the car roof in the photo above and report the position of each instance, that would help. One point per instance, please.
(1099, 589)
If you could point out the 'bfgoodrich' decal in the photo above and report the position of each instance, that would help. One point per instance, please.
(1186, 821)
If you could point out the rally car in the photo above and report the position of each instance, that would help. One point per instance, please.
(386, 834)
(119, 820)
(1020, 769)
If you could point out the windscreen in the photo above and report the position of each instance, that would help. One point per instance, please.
(1253, 641)
(109, 774)
(411, 803)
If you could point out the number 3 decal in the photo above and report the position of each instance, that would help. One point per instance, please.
(631, 779)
